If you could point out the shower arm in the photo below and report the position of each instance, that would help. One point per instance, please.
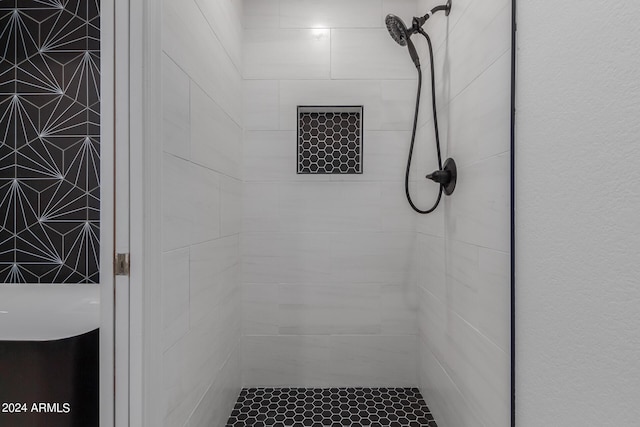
(419, 21)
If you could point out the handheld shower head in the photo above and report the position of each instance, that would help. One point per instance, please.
(401, 35)
(397, 29)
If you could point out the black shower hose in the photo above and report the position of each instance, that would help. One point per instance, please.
(415, 127)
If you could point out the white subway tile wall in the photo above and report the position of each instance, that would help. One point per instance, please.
(462, 255)
(329, 296)
(271, 278)
(201, 199)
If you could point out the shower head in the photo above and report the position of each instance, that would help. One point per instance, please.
(401, 35)
(397, 29)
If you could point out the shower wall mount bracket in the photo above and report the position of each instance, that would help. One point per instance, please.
(448, 11)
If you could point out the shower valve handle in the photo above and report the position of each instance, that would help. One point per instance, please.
(440, 176)
(447, 176)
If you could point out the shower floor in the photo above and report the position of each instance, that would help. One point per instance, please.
(315, 407)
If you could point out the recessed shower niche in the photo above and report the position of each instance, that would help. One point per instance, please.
(329, 140)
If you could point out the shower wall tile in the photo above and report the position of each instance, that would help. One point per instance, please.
(216, 139)
(210, 307)
(191, 43)
(373, 257)
(261, 105)
(372, 361)
(260, 303)
(269, 156)
(368, 54)
(385, 156)
(478, 284)
(330, 206)
(296, 360)
(175, 310)
(175, 111)
(223, 17)
(202, 203)
(328, 361)
(204, 191)
(441, 29)
(184, 378)
(398, 104)
(466, 55)
(261, 14)
(396, 214)
(261, 207)
(221, 396)
(209, 260)
(286, 257)
(425, 158)
(346, 257)
(481, 106)
(230, 206)
(287, 54)
(480, 212)
(330, 92)
(432, 224)
(181, 386)
(430, 265)
(439, 390)
(399, 308)
(195, 362)
(330, 13)
(467, 51)
(177, 208)
(483, 378)
(463, 266)
(329, 309)
(328, 291)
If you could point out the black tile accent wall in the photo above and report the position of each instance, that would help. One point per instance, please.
(329, 140)
(317, 407)
(49, 141)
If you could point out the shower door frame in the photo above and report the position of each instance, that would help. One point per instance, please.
(142, 40)
(120, 333)
(114, 295)
(512, 192)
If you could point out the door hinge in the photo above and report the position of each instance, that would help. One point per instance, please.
(122, 265)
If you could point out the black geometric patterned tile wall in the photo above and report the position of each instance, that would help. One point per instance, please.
(317, 407)
(329, 140)
(49, 141)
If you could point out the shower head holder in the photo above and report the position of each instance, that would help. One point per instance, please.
(419, 21)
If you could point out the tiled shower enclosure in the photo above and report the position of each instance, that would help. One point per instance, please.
(330, 280)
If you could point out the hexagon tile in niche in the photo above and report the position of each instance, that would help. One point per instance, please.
(317, 407)
(329, 140)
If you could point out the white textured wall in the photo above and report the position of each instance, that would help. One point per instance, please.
(201, 209)
(328, 289)
(578, 198)
(463, 248)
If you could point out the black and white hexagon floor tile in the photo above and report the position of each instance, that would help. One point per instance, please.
(314, 407)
